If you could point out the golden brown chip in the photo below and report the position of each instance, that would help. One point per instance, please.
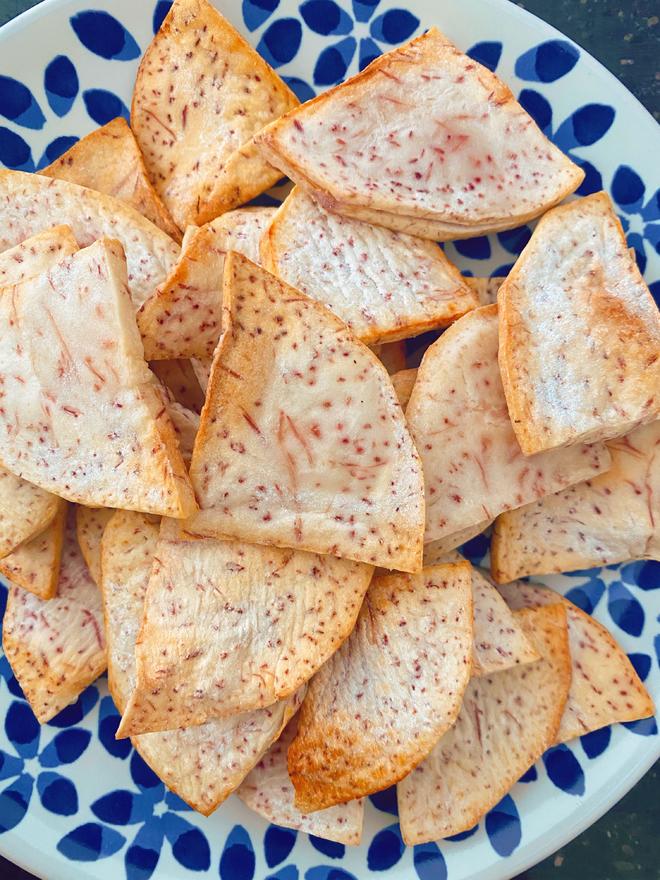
(392, 355)
(403, 382)
(35, 565)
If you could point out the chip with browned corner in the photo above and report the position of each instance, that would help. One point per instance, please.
(35, 565)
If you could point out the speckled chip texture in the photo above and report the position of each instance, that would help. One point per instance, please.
(109, 161)
(183, 318)
(90, 525)
(56, 647)
(229, 627)
(36, 254)
(611, 518)
(455, 155)
(200, 95)
(302, 442)
(579, 332)
(268, 791)
(202, 764)
(385, 285)
(473, 466)
(82, 415)
(506, 723)
(605, 689)
(380, 704)
(186, 424)
(403, 382)
(35, 565)
(29, 203)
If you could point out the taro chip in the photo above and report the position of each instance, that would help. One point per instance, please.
(90, 525)
(35, 565)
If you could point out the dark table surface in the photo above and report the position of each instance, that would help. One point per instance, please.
(625, 36)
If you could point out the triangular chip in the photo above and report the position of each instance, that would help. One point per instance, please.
(180, 380)
(426, 141)
(83, 416)
(473, 466)
(385, 285)
(29, 203)
(485, 289)
(269, 792)
(203, 764)
(437, 550)
(35, 565)
(611, 518)
(109, 161)
(90, 525)
(183, 318)
(403, 382)
(36, 254)
(200, 95)
(302, 442)
(506, 723)
(252, 625)
(605, 688)
(579, 332)
(380, 704)
(56, 647)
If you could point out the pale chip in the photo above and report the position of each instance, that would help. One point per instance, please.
(90, 525)
(35, 565)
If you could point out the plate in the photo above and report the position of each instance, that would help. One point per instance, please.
(76, 803)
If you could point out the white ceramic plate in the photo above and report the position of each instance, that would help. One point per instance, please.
(73, 802)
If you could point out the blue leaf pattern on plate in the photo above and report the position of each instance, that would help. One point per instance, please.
(57, 794)
(17, 103)
(487, 53)
(278, 843)
(547, 62)
(394, 26)
(61, 85)
(189, 845)
(281, 41)
(14, 152)
(329, 848)
(386, 800)
(103, 106)
(325, 17)
(160, 11)
(596, 742)
(237, 861)
(503, 827)
(90, 842)
(625, 610)
(103, 35)
(65, 748)
(429, 863)
(256, 12)
(333, 62)
(302, 90)
(564, 770)
(385, 849)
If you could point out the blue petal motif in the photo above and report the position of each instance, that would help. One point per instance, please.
(189, 845)
(160, 12)
(655, 292)
(288, 872)
(145, 779)
(394, 26)
(103, 105)
(142, 855)
(652, 233)
(237, 861)
(429, 862)
(644, 574)
(122, 807)
(329, 848)
(564, 770)
(502, 271)
(644, 727)
(586, 126)
(90, 842)
(65, 748)
(18, 104)
(642, 664)
(628, 188)
(255, 12)
(587, 596)
(476, 548)
(278, 843)
(651, 210)
(386, 800)
(385, 849)
(463, 835)
(475, 248)
(53, 151)
(503, 827)
(364, 9)
(14, 152)
(57, 794)
(595, 743)
(368, 52)
(108, 724)
(333, 62)
(593, 181)
(61, 84)
(75, 713)
(514, 240)
(328, 872)
(538, 107)
(302, 90)
(10, 765)
(281, 41)
(547, 62)
(625, 610)
(14, 801)
(174, 802)
(103, 35)
(325, 17)
(22, 728)
(530, 775)
(488, 54)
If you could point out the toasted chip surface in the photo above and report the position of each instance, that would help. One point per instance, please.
(202, 764)
(473, 465)
(605, 688)
(302, 442)
(36, 254)
(403, 382)
(380, 704)
(506, 722)
(183, 318)
(441, 120)
(579, 332)
(35, 565)
(195, 130)
(181, 383)
(252, 624)
(29, 203)
(83, 416)
(109, 161)
(610, 518)
(268, 791)
(56, 647)
(90, 525)
(385, 285)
